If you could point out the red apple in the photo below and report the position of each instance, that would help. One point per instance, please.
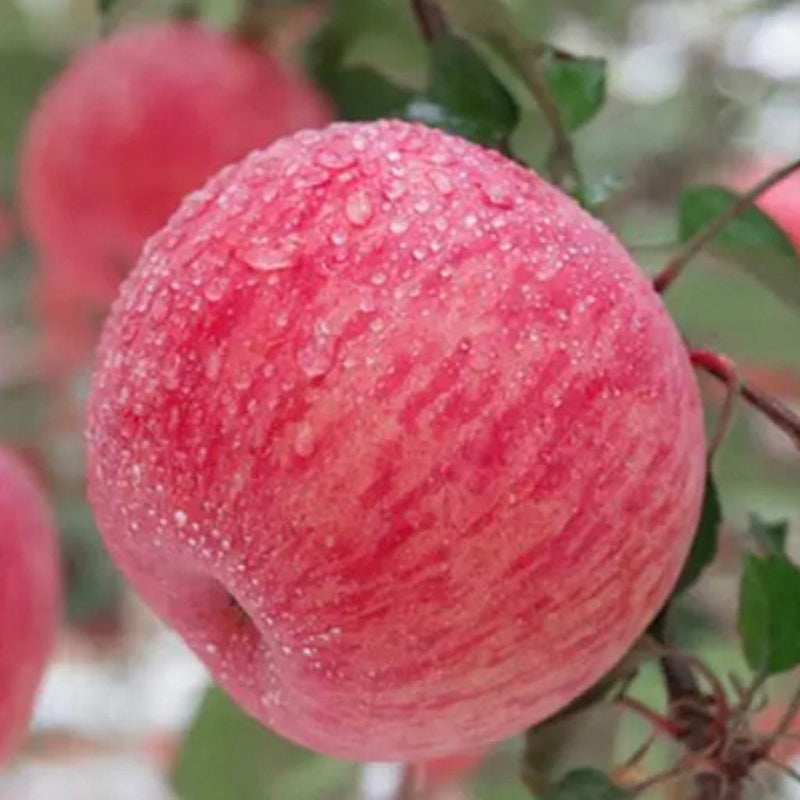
(397, 437)
(130, 127)
(29, 596)
(449, 769)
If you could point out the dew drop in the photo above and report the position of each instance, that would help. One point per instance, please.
(498, 196)
(366, 301)
(267, 258)
(180, 518)
(316, 357)
(379, 278)
(398, 226)
(358, 208)
(213, 365)
(441, 182)
(422, 206)
(338, 238)
(161, 306)
(304, 440)
(395, 190)
(214, 290)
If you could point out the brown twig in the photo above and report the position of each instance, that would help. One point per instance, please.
(430, 18)
(733, 392)
(674, 268)
(786, 721)
(256, 21)
(723, 370)
(679, 771)
(562, 164)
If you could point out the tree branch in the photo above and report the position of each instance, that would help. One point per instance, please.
(723, 370)
(430, 18)
(562, 163)
(678, 263)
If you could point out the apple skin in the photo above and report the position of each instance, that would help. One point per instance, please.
(397, 437)
(29, 596)
(122, 134)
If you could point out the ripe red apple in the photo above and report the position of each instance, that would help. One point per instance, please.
(397, 437)
(29, 596)
(131, 126)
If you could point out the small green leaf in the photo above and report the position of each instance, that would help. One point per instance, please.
(769, 613)
(360, 93)
(578, 86)
(227, 754)
(771, 536)
(704, 545)
(106, 5)
(473, 102)
(586, 784)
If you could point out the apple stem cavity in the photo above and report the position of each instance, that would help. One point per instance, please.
(678, 263)
(723, 369)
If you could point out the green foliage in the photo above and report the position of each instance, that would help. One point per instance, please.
(104, 6)
(769, 613)
(463, 96)
(751, 240)
(227, 754)
(770, 536)
(578, 86)
(585, 784)
(704, 545)
(94, 586)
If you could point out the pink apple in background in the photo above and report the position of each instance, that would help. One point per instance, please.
(451, 769)
(132, 125)
(397, 437)
(29, 596)
(781, 203)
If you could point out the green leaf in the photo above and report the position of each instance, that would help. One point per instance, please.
(586, 784)
(578, 86)
(769, 613)
(360, 93)
(771, 536)
(227, 754)
(751, 240)
(105, 6)
(704, 545)
(472, 102)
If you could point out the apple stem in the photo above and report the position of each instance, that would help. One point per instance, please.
(255, 22)
(723, 369)
(676, 265)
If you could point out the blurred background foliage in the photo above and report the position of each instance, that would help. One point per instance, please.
(696, 90)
